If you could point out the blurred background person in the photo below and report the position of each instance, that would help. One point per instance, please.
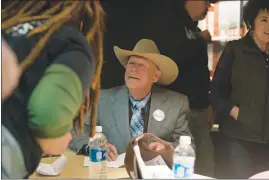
(240, 96)
(59, 47)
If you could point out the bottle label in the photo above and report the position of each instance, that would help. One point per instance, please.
(183, 167)
(97, 155)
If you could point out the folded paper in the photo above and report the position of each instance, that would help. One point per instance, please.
(53, 169)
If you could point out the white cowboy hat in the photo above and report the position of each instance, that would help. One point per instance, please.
(148, 49)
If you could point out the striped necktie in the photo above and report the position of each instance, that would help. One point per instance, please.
(137, 121)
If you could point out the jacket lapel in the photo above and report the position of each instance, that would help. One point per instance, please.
(158, 100)
(121, 113)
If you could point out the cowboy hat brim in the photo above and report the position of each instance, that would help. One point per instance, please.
(168, 68)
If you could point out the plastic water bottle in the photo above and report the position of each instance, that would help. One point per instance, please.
(97, 154)
(184, 158)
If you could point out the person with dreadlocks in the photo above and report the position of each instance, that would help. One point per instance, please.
(59, 47)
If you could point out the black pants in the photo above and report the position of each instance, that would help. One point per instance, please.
(240, 159)
(199, 127)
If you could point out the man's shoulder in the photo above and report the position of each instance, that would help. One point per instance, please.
(170, 95)
(111, 92)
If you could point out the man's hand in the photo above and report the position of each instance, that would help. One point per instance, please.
(156, 146)
(112, 152)
(234, 112)
(206, 35)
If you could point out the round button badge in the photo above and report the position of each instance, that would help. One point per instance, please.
(158, 115)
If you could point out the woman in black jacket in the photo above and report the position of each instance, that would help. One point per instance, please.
(240, 97)
(59, 47)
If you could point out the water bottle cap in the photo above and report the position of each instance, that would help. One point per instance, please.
(98, 129)
(185, 140)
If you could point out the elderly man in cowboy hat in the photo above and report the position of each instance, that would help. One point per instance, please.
(139, 106)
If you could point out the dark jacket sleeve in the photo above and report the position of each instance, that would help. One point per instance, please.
(221, 84)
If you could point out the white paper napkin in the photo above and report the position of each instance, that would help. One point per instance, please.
(53, 169)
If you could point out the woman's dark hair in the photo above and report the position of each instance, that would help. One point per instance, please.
(252, 9)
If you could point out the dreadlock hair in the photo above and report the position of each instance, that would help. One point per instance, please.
(18, 12)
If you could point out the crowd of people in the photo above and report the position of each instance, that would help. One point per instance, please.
(52, 99)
